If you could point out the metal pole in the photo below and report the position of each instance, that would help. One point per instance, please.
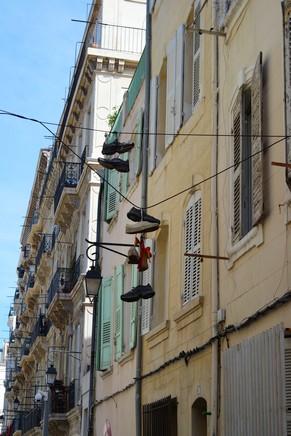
(47, 407)
(144, 181)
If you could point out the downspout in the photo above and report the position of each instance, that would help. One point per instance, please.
(144, 186)
(94, 328)
(214, 236)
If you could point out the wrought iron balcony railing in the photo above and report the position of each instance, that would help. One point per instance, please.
(55, 236)
(41, 328)
(63, 397)
(61, 283)
(31, 419)
(45, 246)
(65, 279)
(25, 347)
(119, 38)
(70, 177)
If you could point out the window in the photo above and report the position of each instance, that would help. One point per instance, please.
(192, 244)
(111, 195)
(129, 310)
(119, 328)
(160, 418)
(199, 417)
(247, 156)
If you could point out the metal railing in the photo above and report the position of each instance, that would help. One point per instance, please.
(76, 270)
(41, 328)
(61, 283)
(31, 280)
(31, 419)
(63, 397)
(45, 246)
(119, 38)
(25, 347)
(70, 177)
(55, 236)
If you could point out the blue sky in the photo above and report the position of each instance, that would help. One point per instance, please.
(37, 49)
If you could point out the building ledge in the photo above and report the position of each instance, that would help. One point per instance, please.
(189, 313)
(158, 334)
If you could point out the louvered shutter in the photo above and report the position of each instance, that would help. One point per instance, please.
(111, 194)
(237, 157)
(170, 98)
(106, 324)
(288, 383)
(153, 124)
(192, 238)
(138, 143)
(133, 308)
(123, 179)
(196, 59)
(118, 286)
(147, 304)
(288, 94)
(257, 144)
(179, 78)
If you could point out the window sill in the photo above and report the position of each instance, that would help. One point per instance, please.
(189, 313)
(252, 239)
(126, 357)
(158, 334)
(106, 373)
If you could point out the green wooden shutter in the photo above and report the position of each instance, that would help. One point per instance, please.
(123, 181)
(111, 194)
(106, 324)
(138, 143)
(133, 309)
(257, 144)
(152, 151)
(118, 285)
(170, 105)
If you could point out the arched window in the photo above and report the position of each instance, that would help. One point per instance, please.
(199, 417)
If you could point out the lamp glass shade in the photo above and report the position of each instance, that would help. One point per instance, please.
(16, 404)
(51, 375)
(93, 280)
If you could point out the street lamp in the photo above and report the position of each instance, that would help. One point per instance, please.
(51, 375)
(16, 404)
(93, 281)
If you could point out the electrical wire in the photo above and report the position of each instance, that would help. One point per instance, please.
(281, 138)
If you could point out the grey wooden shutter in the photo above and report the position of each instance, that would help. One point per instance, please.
(237, 173)
(179, 78)
(147, 304)
(192, 240)
(153, 124)
(111, 194)
(170, 98)
(138, 143)
(196, 58)
(257, 144)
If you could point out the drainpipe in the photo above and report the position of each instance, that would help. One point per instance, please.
(95, 308)
(144, 181)
(214, 236)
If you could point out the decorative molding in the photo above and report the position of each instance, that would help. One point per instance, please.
(189, 313)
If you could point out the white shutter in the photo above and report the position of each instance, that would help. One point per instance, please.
(170, 99)
(192, 238)
(237, 156)
(153, 125)
(179, 77)
(288, 383)
(196, 59)
(147, 304)
(257, 144)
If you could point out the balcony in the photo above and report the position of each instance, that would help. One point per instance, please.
(63, 401)
(43, 259)
(119, 38)
(59, 293)
(65, 198)
(26, 421)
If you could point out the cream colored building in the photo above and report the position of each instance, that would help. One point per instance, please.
(53, 316)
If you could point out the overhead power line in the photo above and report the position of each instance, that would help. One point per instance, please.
(189, 188)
